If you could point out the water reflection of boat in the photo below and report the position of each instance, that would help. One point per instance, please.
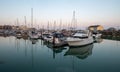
(55, 50)
(34, 41)
(80, 52)
(98, 40)
(25, 36)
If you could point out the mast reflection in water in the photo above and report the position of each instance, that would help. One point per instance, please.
(24, 55)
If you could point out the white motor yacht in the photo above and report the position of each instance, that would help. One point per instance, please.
(80, 39)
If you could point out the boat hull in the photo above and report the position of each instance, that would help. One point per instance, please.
(97, 35)
(79, 42)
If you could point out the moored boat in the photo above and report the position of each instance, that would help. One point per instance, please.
(80, 39)
(33, 35)
(57, 39)
(18, 34)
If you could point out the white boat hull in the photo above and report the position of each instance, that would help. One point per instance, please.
(79, 42)
(97, 35)
(18, 35)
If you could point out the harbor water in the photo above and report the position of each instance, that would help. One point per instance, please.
(22, 55)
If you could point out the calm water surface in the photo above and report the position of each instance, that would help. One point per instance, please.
(19, 55)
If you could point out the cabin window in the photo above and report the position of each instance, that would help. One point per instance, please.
(80, 37)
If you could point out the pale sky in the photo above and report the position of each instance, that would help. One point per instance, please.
(88, 12)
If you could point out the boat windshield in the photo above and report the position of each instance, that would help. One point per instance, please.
(81, 34)
(80, 37)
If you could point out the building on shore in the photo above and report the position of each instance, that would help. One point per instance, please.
(10, 27)
(95, 28)
(5, 27)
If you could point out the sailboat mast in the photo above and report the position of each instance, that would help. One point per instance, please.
(74, 20)
(60, 24)
(31, 17)
(17, 22)
(48, 26)
(54, 25)
(25, 20)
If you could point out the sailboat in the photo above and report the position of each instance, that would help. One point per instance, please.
(18, 31)
(80, 38)
(33, 32)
